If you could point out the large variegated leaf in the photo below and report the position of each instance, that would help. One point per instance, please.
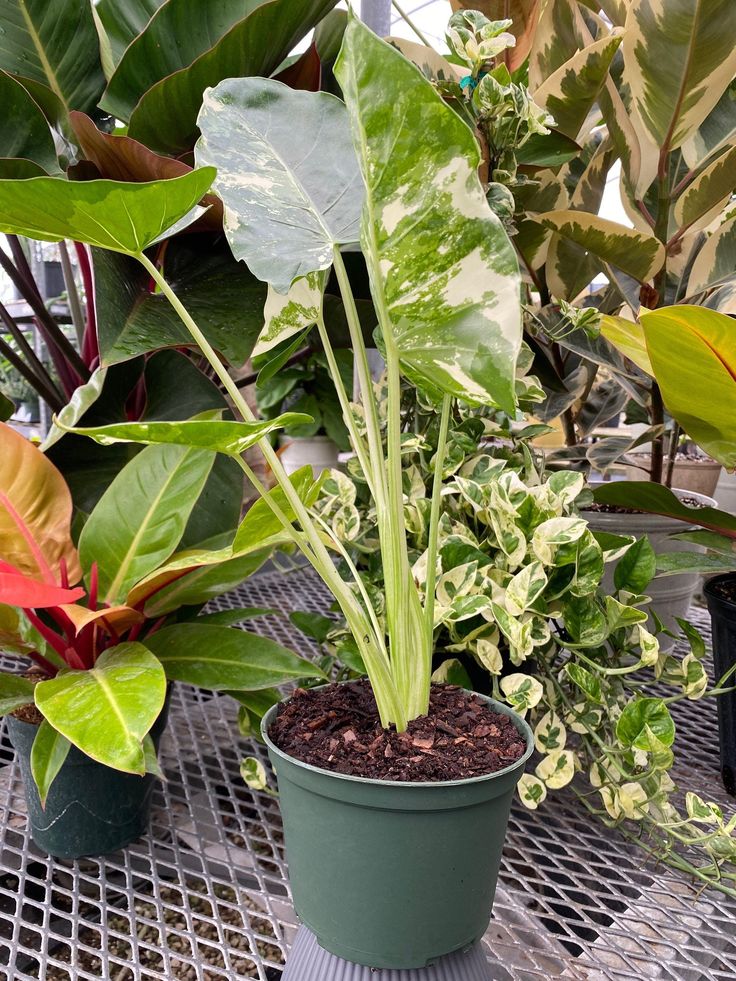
(555, 41)
(110, 214)
(431, 64)
(636, 253)
(710, 189)
(287, 202)
(442, 267)
(693, 353)
(679, 58)
(286, 315)
(717, 131)
(53, 43)
(570, 92)
(569, 268)
(716, 261)
(524, 16)
(166, 116)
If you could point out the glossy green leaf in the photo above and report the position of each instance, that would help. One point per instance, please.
(449, 286)
(716, 261)
(53, 43)
(222, 295)
(571, 92)
(106, 711)
(205, 583)
(110, 214)
(228, 618)
(260, 523)
(313, 625)
(141, 517)
(286, 204)
(542, 151)
(151, 56)
(166, 116)
(636, 253)
(253, 705)
(48, 753)
(217, 435)
(640, 714)
(658, 499)
(636, 568)
(15, 691)
(693, 354)
(711, 188)
(679, 57)
(24, 130)
(123, 21)
(223, 658)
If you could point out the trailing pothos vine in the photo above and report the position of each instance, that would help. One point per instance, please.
(519, 610)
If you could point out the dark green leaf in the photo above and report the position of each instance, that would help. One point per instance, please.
(24, 131)
(640, 713)
(636, 568)
(657, 499)
(15, 692)
(48, 753)
(312, 625)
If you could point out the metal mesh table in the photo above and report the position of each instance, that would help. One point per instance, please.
(205, 895)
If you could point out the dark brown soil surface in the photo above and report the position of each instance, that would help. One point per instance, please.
(726, 589)
(337, 728)
(29, 713)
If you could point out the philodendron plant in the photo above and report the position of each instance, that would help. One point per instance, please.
(520, 612)
(107, 624)
(301, 176)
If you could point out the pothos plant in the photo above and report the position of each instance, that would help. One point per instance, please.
(519, 610)
(107, 624)
(400, 181)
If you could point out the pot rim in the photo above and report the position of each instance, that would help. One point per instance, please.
(715, 597)
(522, 727)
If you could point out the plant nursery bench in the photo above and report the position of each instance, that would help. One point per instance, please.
(205, 895)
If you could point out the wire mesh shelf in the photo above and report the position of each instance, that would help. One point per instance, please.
(205, 896)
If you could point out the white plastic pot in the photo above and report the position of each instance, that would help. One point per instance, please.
(671, 595)
(298, 451)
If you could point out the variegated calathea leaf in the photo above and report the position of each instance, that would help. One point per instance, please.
(636, 253)
(717, 131)
(711, 189)
(288, 202)
(570, 93)
(679, 58)
(444, 274)
(716, 261)
(292, 313)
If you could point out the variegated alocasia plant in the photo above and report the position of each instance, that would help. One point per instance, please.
(641, 87)
(301, 176)
(105, 624)
(519, 611)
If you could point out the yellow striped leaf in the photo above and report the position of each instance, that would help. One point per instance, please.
(717, 131)
(716, 261)
(708, 191)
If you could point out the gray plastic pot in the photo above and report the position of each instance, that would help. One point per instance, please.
(394, 875)
(671, 595)
(91, 809)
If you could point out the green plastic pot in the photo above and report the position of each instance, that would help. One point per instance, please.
(91, 809)
(394, 875)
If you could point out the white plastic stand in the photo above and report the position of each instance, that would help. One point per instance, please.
(310, 962)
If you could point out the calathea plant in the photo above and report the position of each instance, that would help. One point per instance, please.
(519, 610)
(108, 623)
(443, 274)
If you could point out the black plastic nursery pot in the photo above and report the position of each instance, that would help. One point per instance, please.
(91, 809)
(723, 619)
(394, 875)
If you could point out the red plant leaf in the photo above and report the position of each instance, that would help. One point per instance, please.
(19, 590)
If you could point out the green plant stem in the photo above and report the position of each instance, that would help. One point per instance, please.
(434, 519)
(409, 22)
(377, 665)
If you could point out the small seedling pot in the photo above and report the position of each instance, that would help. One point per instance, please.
(388, 874)
(723, 621)
(91, 809)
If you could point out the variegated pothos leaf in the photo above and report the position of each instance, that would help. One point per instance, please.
(442, 268)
